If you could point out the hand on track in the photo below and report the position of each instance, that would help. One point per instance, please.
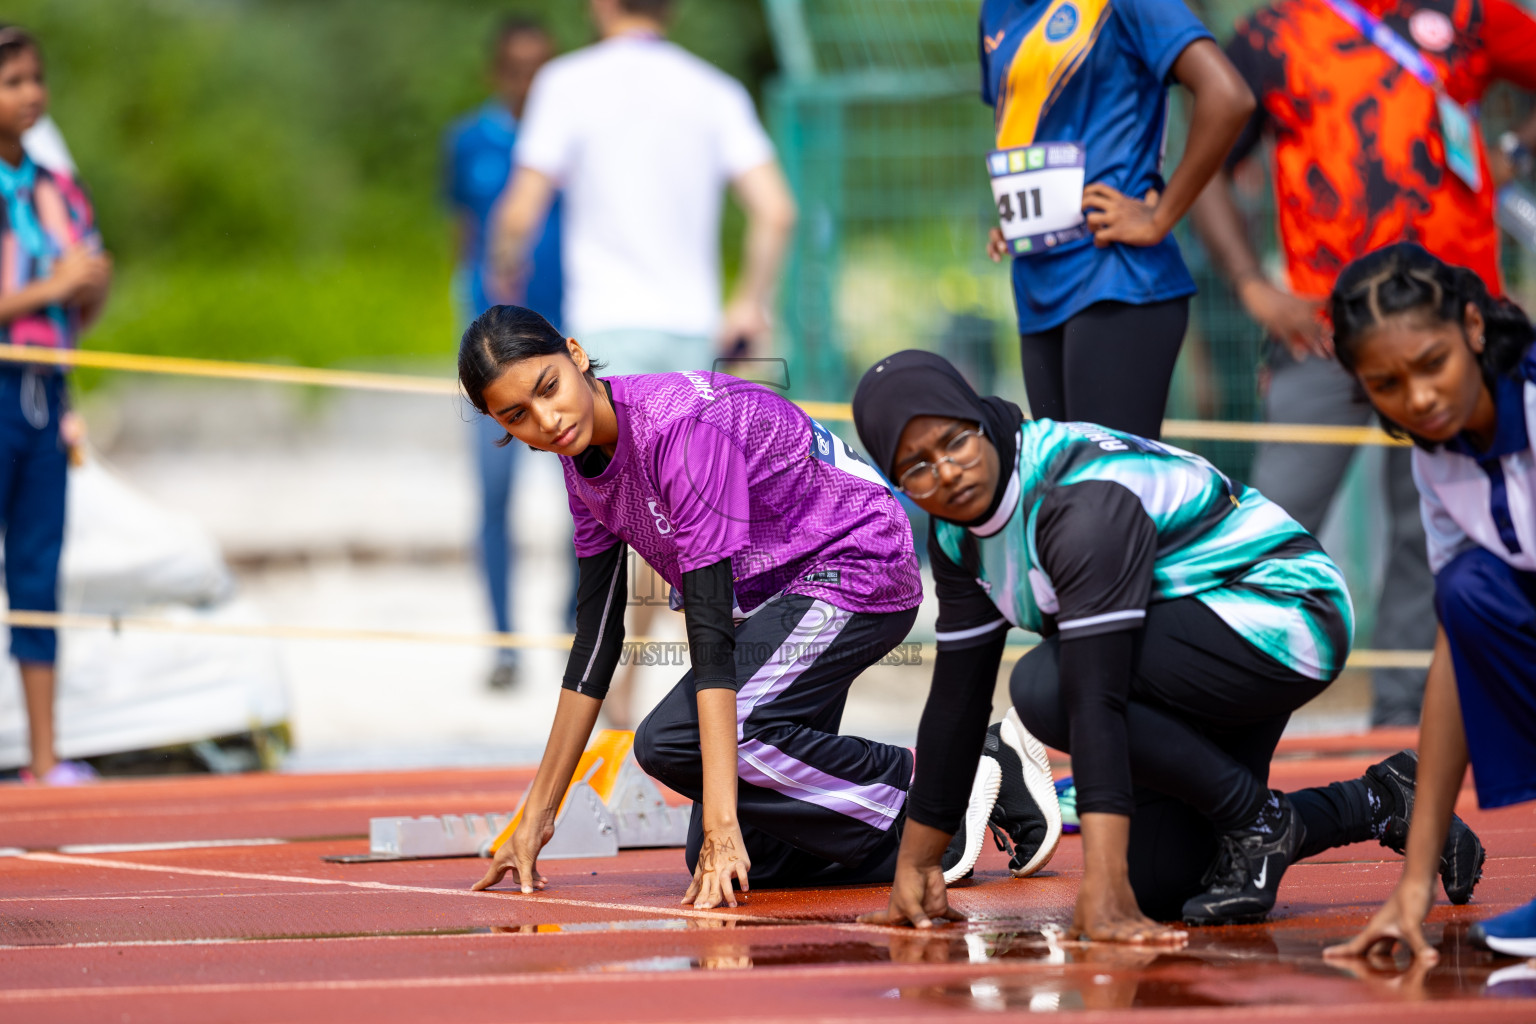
(918, 898)
(519, 855)
(722, 859)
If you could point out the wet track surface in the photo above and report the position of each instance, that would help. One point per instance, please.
(272, 932)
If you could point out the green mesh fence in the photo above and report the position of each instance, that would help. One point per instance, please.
(882, 137)
(849, 36)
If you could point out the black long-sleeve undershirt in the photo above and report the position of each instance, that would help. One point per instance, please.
(709, 599)
(952, 731)
(602, 591)
(1095, 685)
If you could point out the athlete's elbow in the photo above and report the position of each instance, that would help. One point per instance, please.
(1233, 99)
(777, 213)
(1242, 103)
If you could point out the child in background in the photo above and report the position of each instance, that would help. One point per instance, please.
(1451, 367)
(53, 281)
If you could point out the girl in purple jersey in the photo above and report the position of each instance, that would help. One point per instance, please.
(797, 571)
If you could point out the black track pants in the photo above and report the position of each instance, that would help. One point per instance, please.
(1205, 713)
(815, 807)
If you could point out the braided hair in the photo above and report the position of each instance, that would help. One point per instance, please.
(1407, 279)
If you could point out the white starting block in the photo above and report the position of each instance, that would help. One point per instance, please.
(611, 805)
(447, 835)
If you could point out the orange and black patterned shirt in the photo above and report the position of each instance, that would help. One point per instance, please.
(1358, 157)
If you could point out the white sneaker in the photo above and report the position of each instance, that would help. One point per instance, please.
(1026, 810)
(960, 859)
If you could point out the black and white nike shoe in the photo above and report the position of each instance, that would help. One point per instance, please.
(960, 859)
(1393, 781)
(1026, 820)
(1243, 881)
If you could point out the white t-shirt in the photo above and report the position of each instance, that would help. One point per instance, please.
(1486, 499)
(641, 137)
(45, 144)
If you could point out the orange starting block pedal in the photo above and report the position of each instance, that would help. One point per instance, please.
(609, 805)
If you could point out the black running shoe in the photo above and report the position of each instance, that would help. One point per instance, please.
(1026, 820)
(1461, 862)
(1242, 883)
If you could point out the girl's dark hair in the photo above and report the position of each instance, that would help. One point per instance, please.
(500, 337)
(1406, 278)
(512, 26)
(15, 40)
(647, 8)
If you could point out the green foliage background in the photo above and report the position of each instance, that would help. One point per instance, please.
(266, 172)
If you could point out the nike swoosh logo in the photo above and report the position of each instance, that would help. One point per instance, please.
(1263, 874)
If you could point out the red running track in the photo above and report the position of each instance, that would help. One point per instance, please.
(273, 933)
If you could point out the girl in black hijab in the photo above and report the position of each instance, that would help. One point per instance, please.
(1184, 618)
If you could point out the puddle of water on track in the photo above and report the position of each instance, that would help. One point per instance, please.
(1250, 966)
(1221, 967)
(1253, 966)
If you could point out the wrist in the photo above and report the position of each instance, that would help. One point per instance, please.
(747, 301)
(1418, 880)
(717, 817)
(54, 292)
(1246, 284)
(922, 846)
(542, 806)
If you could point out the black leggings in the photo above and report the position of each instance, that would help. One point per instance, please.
(1111, 364)
(1206, 710)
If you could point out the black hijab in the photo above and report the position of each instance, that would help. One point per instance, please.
(914, 383)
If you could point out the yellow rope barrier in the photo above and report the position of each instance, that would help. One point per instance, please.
(1361, 659)
(838, 412)
(408, 384)
(263, 372)
(1293, 433)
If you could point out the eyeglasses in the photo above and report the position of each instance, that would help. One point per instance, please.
(963, 451)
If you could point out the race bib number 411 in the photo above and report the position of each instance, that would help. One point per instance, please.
(1039, 194)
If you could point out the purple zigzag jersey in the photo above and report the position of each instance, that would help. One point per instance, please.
(708, 466)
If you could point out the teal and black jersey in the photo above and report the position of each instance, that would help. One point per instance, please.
(1096, 524)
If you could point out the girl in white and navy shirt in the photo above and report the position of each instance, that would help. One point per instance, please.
(1452, 367)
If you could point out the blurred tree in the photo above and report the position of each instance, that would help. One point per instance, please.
(266, 171)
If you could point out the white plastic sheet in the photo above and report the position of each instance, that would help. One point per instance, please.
(137, 689)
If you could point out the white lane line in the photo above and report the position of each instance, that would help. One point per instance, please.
(186, 844)
(478, 799)
(178, 894)
(583, 929)
(560, 901)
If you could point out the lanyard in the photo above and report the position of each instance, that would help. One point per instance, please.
(1458, 124)
(1382, 35)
